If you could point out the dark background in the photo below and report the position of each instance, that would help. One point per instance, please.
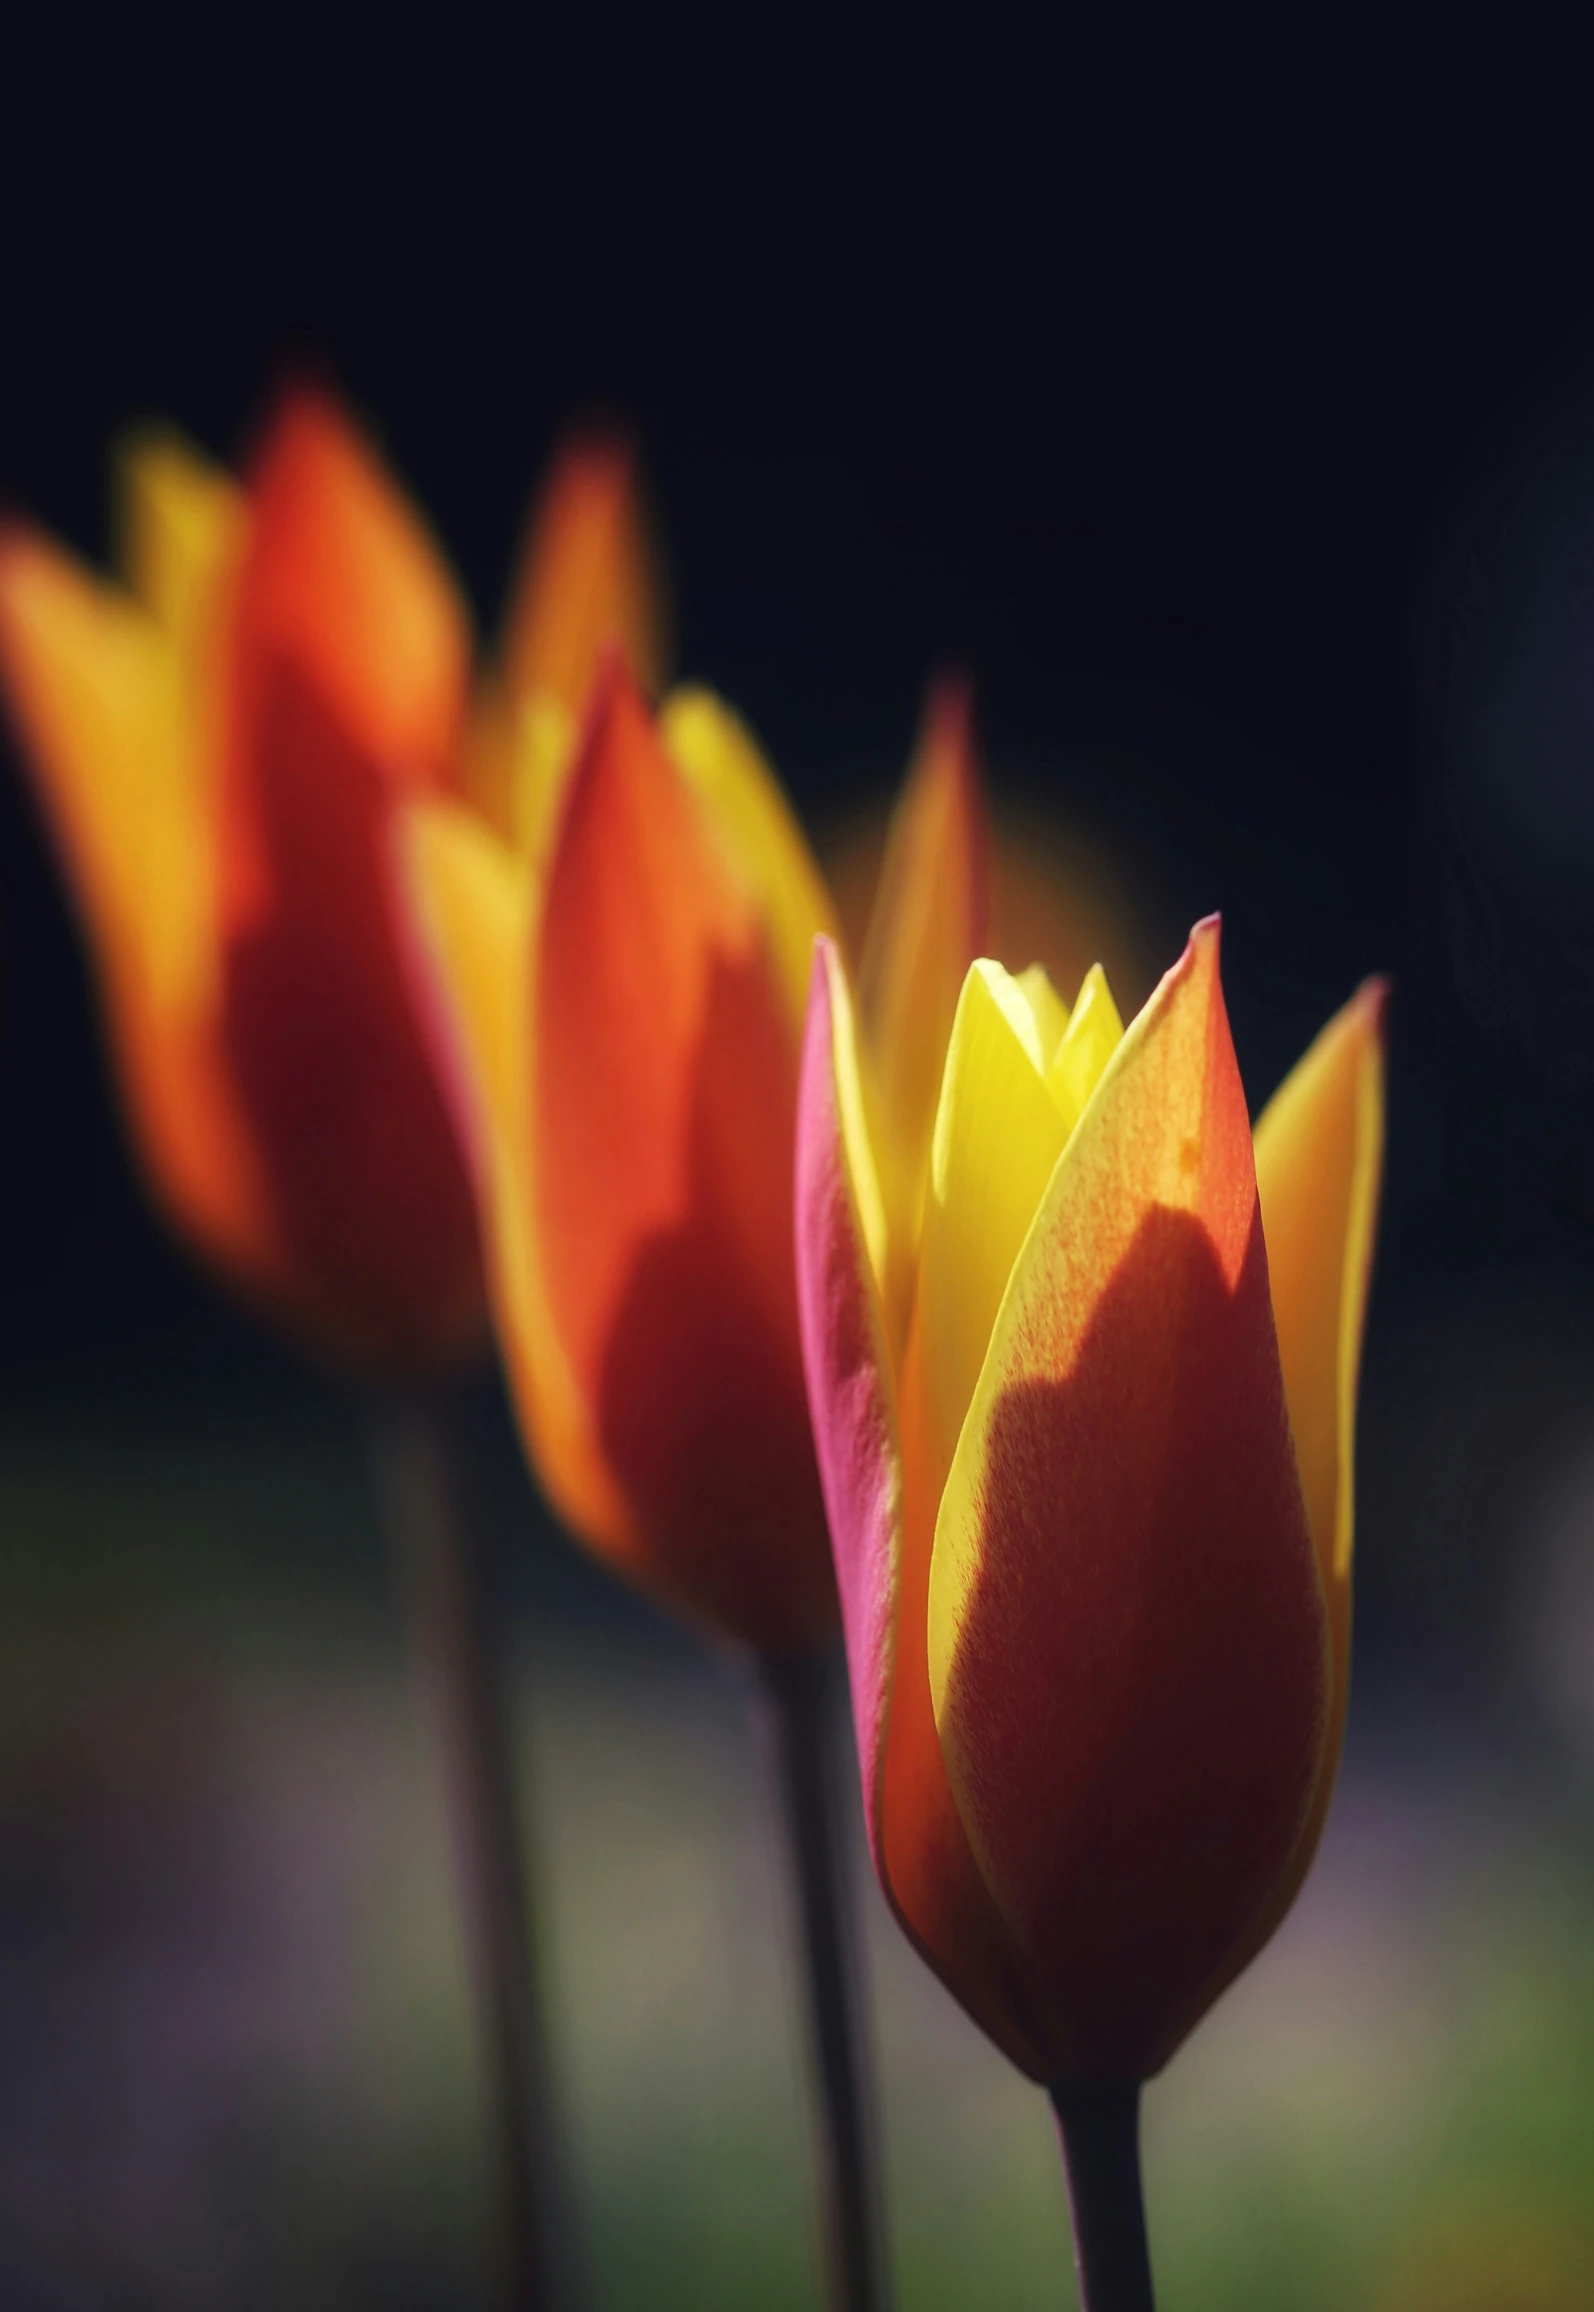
(1247, 462)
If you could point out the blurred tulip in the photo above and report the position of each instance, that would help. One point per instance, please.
(1090, 1487)
(1058, 894)
(219, 743)
(620, 998)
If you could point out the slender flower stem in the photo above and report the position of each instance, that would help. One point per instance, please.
(792, 1694)
(1099, 2124)
(426, 1507)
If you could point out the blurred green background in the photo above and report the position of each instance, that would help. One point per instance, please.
(237, 2057)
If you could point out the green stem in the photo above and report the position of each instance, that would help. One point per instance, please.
(792, 1692)
(425, 1503)
(1099, 2124)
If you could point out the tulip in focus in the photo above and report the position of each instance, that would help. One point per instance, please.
(1090, 1486)
(219, 743)
(620, 1000)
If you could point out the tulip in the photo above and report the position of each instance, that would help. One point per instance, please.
(620, 1002)
(219, 744)
(621, 1017)
(1090, 1490)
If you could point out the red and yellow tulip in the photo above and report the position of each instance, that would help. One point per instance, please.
(620, 998)
(1089, 1480)
(219, 743)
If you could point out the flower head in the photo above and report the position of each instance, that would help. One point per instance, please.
(1089, 1484)
(219, 743)
(619, 999)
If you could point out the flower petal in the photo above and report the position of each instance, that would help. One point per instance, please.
(588, 578)
(330, 1063)
(1319, 1156)
(343, 583)
(348, 674)
(544, 752)
(663, 1109)
(998, 1133)
(920, 1853)
(471, 899)
(1047, 1010)
(1093, 1033)
(1128, 1646)
(98, 693)
(741, 797)
(182, 524)
(926, 927)
(840, 1226)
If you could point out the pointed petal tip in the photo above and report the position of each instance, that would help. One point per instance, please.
(308, 426)
(611, 677)
(949, 706)
(612, 686)
(1202, 953)
(827, 959)
(1372, 1001)
(590, 570)
(948, 736)
(597, 452)
(827, 992)
(149, 439)
(300, 403)
(596, 467)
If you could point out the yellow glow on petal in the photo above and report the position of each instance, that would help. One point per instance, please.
(100, 690)
(1122, 1164)
(544, 747)
(998, 1135)
(181, 524)
(720, 760)
(483, 775)
(1319, 1155)
(1319, 1161)
(513, 766)
(1047, 1009)
(1319, 1147)
(473, 900)
(1093, 1034)
(107, 720)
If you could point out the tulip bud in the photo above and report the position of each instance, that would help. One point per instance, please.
(1091, 1509)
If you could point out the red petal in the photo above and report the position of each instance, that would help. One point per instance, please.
(663, 1111)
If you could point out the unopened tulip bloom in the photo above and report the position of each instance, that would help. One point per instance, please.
(219, 742)
(621, 1002)
(1091, 1494)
